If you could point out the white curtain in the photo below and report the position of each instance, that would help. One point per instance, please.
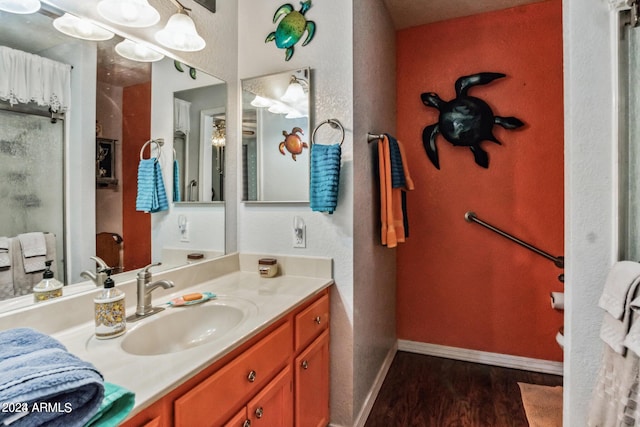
(25, 77)
(181, 118)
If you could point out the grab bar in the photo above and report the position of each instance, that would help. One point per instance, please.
(472, 217)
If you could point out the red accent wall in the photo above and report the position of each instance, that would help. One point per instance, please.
(459, 284)
(136, 128)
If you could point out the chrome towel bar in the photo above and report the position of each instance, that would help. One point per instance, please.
(472, 217)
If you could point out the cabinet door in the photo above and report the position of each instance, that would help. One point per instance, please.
(312, 384)
(273, 406)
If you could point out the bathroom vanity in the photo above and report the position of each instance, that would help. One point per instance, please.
(258, 354)
(279, 376)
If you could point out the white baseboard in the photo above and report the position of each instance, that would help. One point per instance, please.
(361, 419)
(487, 358)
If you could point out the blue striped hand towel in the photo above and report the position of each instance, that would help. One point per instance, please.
(176, 181)
(325, 177)
(151, 196)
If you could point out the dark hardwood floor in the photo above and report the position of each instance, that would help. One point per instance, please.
(426, 391)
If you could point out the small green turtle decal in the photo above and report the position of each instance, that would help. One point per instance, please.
(291, 28)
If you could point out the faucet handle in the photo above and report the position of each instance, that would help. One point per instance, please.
(144, 273)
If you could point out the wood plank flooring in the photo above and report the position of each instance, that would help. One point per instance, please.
(426, 391)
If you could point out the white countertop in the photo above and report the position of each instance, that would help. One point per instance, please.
(152, 376)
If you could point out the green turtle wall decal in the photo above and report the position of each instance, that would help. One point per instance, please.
(291, 28)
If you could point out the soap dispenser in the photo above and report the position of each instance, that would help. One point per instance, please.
(110, 311)
(48, 288)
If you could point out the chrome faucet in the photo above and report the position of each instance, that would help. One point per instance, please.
(145, 287)
(101, 272)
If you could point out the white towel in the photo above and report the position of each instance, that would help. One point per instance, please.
(23, 282)
(34, 251)
(613, 330)
(33, 244)
(615, 296)
(6, 273)
(5, 258)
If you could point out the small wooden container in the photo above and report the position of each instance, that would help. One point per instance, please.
(267, 267)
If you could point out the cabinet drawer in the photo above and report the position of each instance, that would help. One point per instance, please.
(217, 398)
(311, 321)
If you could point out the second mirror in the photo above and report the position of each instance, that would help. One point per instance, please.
(276, 137)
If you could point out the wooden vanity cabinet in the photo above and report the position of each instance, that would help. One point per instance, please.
(278, 379)
(312, 384)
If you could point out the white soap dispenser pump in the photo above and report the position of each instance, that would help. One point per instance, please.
(48, 288)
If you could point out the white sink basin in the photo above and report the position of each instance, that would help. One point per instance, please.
(181, 328)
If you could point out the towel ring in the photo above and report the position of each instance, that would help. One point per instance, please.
(158, 142)
(334, 123)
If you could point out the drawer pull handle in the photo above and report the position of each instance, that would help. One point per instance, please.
(318, 320)
(252, 376)
(305, 364)
(247, 423)
(259, 412)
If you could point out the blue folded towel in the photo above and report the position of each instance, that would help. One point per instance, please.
(325, 177)
(397, 168)
(151, 196)
(176, 181)
(43, 384)
(116, 405)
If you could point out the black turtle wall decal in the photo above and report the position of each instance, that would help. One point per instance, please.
(465, 120)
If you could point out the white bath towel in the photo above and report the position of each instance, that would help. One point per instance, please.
(34, 251)
(5, 258)
(6, 273)
(615, 396)
(614, 330)
(616, 296)
(33, 244)
(23, 282)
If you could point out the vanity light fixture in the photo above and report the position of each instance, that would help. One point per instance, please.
(137, 52)
(260, 102)
(22, 7)
(129, 13)
(295, 91)
(180, 32)
(279, 108)
(80, 28)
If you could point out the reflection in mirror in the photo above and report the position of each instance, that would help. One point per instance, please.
(80, 168)
(276, 137)
(199, 140)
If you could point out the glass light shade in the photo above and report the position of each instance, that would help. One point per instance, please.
(80, 28)
(137, 52)
(294, 92)
(294, 114)
(261, 102)
(279, 108)
(129, 13)
(180, 34)
(20, 6)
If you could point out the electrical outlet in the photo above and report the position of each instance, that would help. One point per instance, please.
(299, 233)
(300, 237)
(184, 234)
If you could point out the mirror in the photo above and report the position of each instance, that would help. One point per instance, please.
(96, 162)
(199, 140)
(276, 137)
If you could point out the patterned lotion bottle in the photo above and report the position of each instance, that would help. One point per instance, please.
(109, 311)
